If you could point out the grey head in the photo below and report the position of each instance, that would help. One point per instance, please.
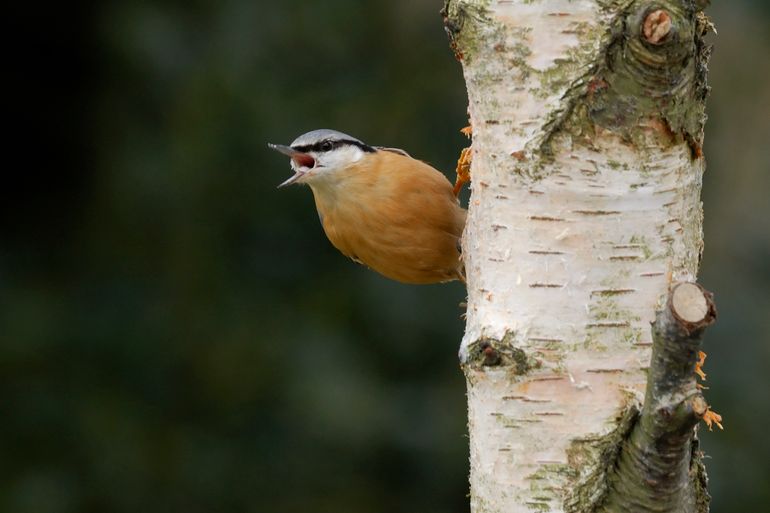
(322, 135)
(318, 152)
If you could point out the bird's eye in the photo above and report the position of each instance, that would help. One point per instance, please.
(326, 146)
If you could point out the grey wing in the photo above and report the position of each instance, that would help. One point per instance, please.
(393, 150)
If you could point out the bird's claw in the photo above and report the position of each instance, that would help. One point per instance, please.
(464, 164)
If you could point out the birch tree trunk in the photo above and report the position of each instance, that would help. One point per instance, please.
(585, 210)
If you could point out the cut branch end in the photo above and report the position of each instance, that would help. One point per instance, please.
(692, 306)
(656, 27)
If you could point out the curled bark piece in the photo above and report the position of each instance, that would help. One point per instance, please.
(656, 466)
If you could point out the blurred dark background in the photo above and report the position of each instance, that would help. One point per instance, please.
(176, 335)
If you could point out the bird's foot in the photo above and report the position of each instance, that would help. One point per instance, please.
(464, 164)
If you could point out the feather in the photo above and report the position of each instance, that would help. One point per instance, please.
(396, 215)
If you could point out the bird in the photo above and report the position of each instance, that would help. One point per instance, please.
(380, 207)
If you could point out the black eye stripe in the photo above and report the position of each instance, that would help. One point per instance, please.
(329, 145)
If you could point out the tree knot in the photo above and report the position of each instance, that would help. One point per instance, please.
(491, 352)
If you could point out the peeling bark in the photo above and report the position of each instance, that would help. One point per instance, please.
(585, 207)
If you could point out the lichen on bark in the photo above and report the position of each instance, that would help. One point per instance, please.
(462, 35)
(640, 80)
(634, 82)
(593, 459)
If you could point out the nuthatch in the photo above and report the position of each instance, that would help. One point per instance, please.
(380, 207)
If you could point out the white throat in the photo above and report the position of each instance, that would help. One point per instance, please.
(327, 163)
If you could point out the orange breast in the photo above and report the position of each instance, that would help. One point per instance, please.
(396, 215)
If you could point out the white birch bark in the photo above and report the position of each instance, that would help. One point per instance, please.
(577, 227)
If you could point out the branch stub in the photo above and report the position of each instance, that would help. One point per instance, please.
(689, 303)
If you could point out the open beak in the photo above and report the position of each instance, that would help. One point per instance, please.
(299, 158)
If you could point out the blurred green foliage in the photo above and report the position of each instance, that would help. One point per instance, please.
(178, 335)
